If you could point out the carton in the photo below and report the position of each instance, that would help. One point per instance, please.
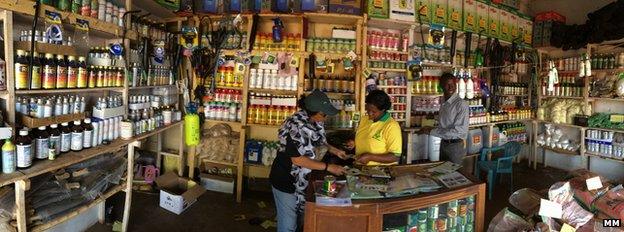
(353, 7)
(217, 183)
(455, 14)
(513, 25)
(470, 15)
(482, 17)
(424, 10)
(505, 34)
(378, 9)
(493, 21)
(403, 10)
(439, 12)
(528, 29)
(177, 193)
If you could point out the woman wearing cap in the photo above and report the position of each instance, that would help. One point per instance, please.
(298, 136)
(378, 139)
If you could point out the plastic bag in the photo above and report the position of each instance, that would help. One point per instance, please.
(506, 220)
(561, 193)
(575, 215)
(526, 200)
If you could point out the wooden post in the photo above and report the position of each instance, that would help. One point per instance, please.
(9, 59)
(181, 161)
(158, 150)
(191, 153)
(239, 166)
(129, 178)
(102, 212)
(20, 203)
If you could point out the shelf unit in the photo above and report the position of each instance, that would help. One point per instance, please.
(22, 12)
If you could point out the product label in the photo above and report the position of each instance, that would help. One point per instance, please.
(87, 138)
(55, 144)
(66, 142)
(61, 77)
(72, 77)
(24, 155)
(76, 141)
(36, 78)
(21, 76)
(82, 78)
(8, 161)
(49, 77)
(42, 148)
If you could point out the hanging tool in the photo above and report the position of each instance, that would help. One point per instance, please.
(453, 45)
(468, 39)
(37, 7)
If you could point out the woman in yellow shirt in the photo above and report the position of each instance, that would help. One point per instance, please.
(378, 139)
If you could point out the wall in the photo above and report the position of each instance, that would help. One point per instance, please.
(575, 11)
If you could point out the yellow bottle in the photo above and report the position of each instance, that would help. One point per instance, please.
(251, 115)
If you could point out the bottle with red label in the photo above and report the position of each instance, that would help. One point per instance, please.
(72, 72)
(49, 72)
(61, 72)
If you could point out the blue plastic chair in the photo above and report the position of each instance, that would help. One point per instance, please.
(501, 165)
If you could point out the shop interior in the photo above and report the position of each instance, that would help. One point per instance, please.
(120, 115)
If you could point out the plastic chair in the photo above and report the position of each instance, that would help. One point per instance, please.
(501, 165)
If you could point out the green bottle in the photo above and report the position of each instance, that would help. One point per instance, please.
(9, 158)
(75, 6)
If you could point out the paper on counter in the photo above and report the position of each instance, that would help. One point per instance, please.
(550, 209)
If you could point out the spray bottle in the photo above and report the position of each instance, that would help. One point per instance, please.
(278, 26)
(461, 84)
(470, 93)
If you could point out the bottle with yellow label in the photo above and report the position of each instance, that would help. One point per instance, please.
(21, 70)
(35, 80)
(72, 72)
(82, 73)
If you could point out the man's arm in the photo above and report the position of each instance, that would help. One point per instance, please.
(460, 125)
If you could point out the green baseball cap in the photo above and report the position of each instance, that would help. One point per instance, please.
(318, 101)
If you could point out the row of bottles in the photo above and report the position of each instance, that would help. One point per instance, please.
(146, 120)
(270, 79)
(429, 54)
(107, 11)
(477, 115)
(223, 111)
(261, 151)
(394, 90)
(157, 75)
(344, 118)
(109, 102)
(387, 80)
(387, 56)
(50, 72)
(45, 107)
(512, 89)
(568, 86)
(607, 61)
(269, 114)
(49, 142)
(603, 143)
(427, 85)
(332, 84)
(515, 114)
(387, 40)
(41, 37)
(226, 77)
(569, 64)
(233, 40)
(330, 45)
(514, 131)
(467, 86)
(102, 56)
(228, 96)
(266, 41)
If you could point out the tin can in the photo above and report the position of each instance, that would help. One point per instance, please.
(461, 221)
(329, 184)
(422, 225)
(412, 229)
(451, 222)
(441, 223)
(470, 217)
(463, 208)
(460, 228)
(433, 211)
(469, 228)
(431, 225)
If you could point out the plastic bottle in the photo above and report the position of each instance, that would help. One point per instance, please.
(77, 136)
(21, 70)
(88, 133)
(461, 87)
(48, 109)
(23, 148)
(82, 75)
(61, 72)
(72, 72)
(42, 143)
(49, 72)
(55, 141)
(8, 157)
(470, 94)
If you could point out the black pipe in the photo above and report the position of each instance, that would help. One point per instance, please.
(468, 36)
(37, 7)
(453, 45)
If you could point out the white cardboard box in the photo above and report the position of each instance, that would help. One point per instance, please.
(109, 112)
(217, 183)
(403, 10)
(177, 193)
(343, 34)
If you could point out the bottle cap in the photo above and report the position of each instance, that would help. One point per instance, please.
(42, 128)
(76, 122)
(87, 120)
(23, 132)
(54, 126)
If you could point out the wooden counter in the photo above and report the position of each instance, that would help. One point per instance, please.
(367, 215)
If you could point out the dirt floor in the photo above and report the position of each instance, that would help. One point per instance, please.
(220, 212)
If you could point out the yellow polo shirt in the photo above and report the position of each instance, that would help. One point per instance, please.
(381, 137)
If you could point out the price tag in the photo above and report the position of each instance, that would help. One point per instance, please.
(567, 228)
(550, 209)
(593, 183)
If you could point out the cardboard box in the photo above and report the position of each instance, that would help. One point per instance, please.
(513, 25)
(353, 7)
(505, 34)
(217, 183)
(319, 6)
(527, 25)
(493, 21)
(378, 8)
(109, 112)
(403, 10)
(482, 17)
(280, 6)
(455, 14)
(210, 6)
(439, 12)
(177, 193)
(470, 15)
(343, 33)
(423, 7)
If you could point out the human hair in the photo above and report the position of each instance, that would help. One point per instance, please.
(301, 104)
(445, 78)
(379, 99)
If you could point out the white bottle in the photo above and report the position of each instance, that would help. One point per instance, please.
(47, 109)
(83, 104)
(65, 106)
(271, 80)
(281, 80)
(77, 138)
(87, 135)
(252, 77)
(276, 79)
(294, 79)
(469, 86)
(266, 79)
(96, 131)
(461, 86)
(111, 131)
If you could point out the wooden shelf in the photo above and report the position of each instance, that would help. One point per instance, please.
(478, 125)
(387, 70)
(256, 170)
(399, 103)
(334, 93)
(561, 151)
(62, 91)
(563, 97)
(332, 18)
(392, 86)
(262, 125)
(81, 209)
(606, 129)
(42, 48)
(274, 91)
(233, 125)
(158, 130)
(388, 51)
(390, 24)
(26, 7)
(220, 162)
(606, 99)
(427, 95)
(152, 87)
(604, 157)
(512, 95)
(154, 9)
(608, 70)
(332, 56)
(560, 124)
(511, 121)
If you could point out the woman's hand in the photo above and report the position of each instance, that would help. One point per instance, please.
(335, 169)
(363, 159)
(340, 153)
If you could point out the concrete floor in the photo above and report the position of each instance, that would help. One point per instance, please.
(218, 212)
